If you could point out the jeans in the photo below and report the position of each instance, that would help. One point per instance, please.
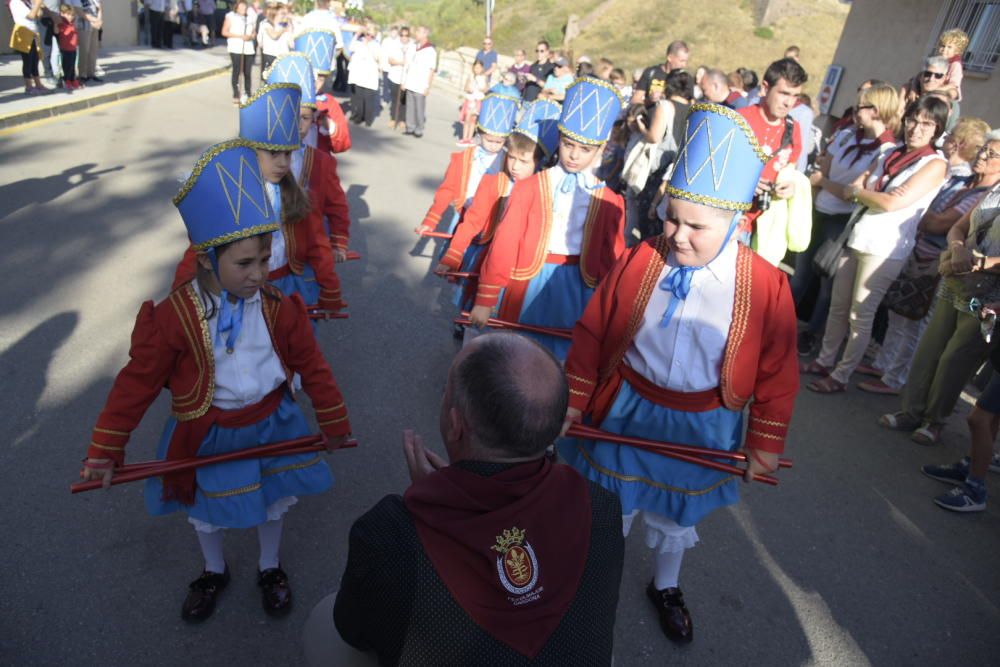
(416, 112)
(241, 63)
(895, 357)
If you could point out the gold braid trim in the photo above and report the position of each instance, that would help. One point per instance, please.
(305, 174)
(338, 406)
(714, 202)
(580, 379)
(332, 421)
(204, 356)
(256, 230)
(202, 162)
(249, 488)
(263, 90)
(656, 485)
(579, 393)
(738, 328)
(545, 190)
(267, 73)
(291, 466)
(761, 434)
(769, 422)
(737, 118)
(110, 432)
(588, 231)
(108, 448)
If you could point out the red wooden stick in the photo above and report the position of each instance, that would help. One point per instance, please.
(148, 469)
(351, 254)
(517, 326)
(437, 235)
(327, 315)
(651, 446)
(459, 274)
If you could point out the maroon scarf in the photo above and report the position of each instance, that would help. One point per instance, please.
(887, 137)
(511, 548)
(898, 160)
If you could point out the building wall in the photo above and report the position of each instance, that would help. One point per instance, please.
(119, 25)
(887, 39)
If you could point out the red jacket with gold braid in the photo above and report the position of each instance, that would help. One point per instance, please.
(319, 178)
(339, 140)
(172, 348)
(451, 192)
(482, 217)
(760, 360)
(306, 242)
(519, 246)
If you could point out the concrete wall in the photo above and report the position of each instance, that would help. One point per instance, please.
(887, 39)
(119, 25)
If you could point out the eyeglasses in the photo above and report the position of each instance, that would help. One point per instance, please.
(865, 106)
(985, 151)
(922, 124)
(927, 74)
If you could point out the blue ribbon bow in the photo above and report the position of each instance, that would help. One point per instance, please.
(230, 320)
(568, 183)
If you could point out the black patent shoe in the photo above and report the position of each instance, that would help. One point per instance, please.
(675, 621)
(202, 593)
(276, 594)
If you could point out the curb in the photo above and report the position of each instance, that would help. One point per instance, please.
(21, 117)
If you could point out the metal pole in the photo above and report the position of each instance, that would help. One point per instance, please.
(489, 17)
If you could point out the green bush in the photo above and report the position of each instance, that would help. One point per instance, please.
(764, 32)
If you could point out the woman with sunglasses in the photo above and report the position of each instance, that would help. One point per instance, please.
(890, 202)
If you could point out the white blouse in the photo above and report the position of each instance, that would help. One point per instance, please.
(241, 25)
(569, 212)
(19, 11)
(687, 355)
(844, 169)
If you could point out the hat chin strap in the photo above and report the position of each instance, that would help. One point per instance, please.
(678, 279)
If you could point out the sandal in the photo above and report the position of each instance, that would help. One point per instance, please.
(898, 421)
(926, 435)
(815, 368)
(871, 371)
(826, 385)
(877, 387)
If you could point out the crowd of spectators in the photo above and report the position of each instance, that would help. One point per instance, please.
(61, 36)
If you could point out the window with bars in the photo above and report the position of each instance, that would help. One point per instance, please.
(981, 22)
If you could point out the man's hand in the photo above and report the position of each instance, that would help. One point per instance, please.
(944, 263)
(572, 417)
(823, 163)
(334, 443)
(339, 255)
(101, 469)
(419, 460)
(961, 259)
(759, 463)
(816, 178)
(479, 315)
(784, 190)
(762, 187)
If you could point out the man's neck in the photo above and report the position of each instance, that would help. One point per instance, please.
(767, 116)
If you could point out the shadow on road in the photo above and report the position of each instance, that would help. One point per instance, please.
(15, 196)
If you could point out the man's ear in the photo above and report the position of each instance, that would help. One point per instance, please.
(456, 425)
(763, 87)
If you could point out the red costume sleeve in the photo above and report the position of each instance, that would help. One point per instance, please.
(446, 193)
(334, 205)
(777, 380)
(151, 360)
(319, 256)
(304, 357)
(476, 218)
(187, 268)
(340, 137)
(502, 254)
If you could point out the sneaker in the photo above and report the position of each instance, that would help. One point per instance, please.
(995, 463)
(807, 343)
(962, 499)
(953, 473)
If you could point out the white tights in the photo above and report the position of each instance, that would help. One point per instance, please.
(268, 535)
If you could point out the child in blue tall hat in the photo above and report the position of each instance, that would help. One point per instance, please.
(315, 169)
(332, 135)
(199, 343)
(690, 335)
(467, 167)
(563, 229)
(301, 260)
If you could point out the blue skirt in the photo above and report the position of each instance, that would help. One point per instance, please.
(556, 297)
(685, 492)
(237, 494)
(469, 262)
(304, 285)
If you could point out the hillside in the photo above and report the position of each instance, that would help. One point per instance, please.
(634, 33)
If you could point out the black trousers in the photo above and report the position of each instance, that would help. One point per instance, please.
(156, 29)
(265, 62)
(397, 103)
(68, 65)
(364, 105)
(246, 66)
(29, 62)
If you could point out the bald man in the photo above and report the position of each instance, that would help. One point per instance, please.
(496, 556)
(715, 88)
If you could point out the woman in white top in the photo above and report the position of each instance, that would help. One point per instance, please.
(363, 75)
(851, 152)
(239, 31)
(891, 202)
(275, 36)
(26, 14)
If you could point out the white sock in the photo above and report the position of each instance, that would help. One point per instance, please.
(668, 569)
(269, 536)
(211, 549)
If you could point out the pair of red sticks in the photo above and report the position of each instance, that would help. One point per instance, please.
(136, 471)
(316, 314)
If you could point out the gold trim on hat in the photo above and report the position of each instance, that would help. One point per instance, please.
(715, 202)
(737, 118)
(203, 161)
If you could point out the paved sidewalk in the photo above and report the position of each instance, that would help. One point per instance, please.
(128, 72)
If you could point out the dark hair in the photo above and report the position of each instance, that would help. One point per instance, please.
(295, 203)
(619, 72)
(522, 143)
(679, 83)
(787, 69)
(542, 42)
(584, 69)
(676, 47)
(750, 79)
(505, 411)
(207, 304)
(933, 106)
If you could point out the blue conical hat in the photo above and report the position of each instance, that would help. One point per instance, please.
(225, 199)
(540, 123)
(720, 162)
(590, 110)
(497, 114)
(295, 68)
(320, 47)
(270, 118)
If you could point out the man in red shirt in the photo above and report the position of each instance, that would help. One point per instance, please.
(778, 135)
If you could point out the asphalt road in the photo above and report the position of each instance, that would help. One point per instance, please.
(847, 562)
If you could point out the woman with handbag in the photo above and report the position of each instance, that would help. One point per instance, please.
(883, 230)
(953, 347)
(850, 153)
(911, 297)
(24, 39)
